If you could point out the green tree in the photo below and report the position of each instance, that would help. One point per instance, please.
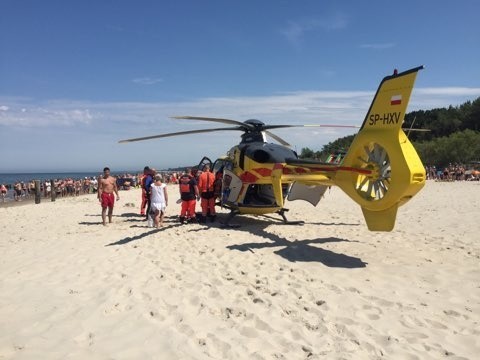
(460, 147)
(307, 153)
(472, 115)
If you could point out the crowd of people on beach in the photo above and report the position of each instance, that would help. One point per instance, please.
(69, 187)
(452, 172)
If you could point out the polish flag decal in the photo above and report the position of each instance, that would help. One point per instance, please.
(396, 100)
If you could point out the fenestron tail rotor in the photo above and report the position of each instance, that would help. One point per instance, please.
(374, 186)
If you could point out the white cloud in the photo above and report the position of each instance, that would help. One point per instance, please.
(131, 119)
(45, 115)
(448, 91)
(147, 81)
(338, 107)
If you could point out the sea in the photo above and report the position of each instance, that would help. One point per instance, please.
(12, 178)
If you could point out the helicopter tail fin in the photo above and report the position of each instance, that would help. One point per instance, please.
(393, 172)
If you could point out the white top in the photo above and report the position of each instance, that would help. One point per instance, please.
(157, 196)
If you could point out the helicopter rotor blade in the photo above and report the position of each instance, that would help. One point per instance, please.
(420, 130)
(266, 127)
(313, 125)
(238, 128)
(217, 120)
(277, 138)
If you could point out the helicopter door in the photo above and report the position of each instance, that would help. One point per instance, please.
(311, 193)
(231, 187)
(203, 162)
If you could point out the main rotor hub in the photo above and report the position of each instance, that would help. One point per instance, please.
(257, 124)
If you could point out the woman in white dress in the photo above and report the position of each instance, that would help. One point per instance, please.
(159, 200)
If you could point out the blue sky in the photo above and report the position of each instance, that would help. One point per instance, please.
(77, 76)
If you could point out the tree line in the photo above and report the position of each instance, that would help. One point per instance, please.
(454, 135)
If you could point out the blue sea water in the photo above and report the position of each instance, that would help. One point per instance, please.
(12, 178)
(9, 179)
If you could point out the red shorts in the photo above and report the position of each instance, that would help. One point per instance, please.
(108, 200)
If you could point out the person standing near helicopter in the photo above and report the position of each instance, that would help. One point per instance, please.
(188, 194)
(147, 182)
(206, 182)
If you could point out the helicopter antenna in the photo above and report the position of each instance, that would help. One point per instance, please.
(411, 126)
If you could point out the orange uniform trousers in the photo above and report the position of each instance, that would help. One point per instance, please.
(188, 209)
(208, 204)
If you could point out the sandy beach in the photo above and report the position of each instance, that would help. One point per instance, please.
(71, 288)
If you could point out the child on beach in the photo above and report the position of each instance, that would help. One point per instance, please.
(159, 200)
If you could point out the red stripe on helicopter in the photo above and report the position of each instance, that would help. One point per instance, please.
(344, 168)
(300, 170)
(248, 177)
(263, 171)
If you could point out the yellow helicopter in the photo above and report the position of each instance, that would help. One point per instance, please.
(381, 170)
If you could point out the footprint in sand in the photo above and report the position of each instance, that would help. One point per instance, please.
(249, 332)
(146, 296)
(186, 329)
(217, 348)
(452, 313)
(85, 338)
(256, 299)
(380, 302)
(261, 325)
(316, 327)
(411, 322)
(436, 324)
(371, 312)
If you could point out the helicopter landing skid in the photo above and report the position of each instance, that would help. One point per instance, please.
(282, 212)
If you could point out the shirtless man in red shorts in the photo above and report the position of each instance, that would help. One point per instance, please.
(107, 185)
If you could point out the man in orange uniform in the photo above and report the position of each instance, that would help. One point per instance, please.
(188, 193)
(206, 183)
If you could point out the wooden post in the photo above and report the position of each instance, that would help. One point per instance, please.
(53, 191)
(38, 194)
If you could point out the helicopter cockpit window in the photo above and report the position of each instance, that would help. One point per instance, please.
(222, 164)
